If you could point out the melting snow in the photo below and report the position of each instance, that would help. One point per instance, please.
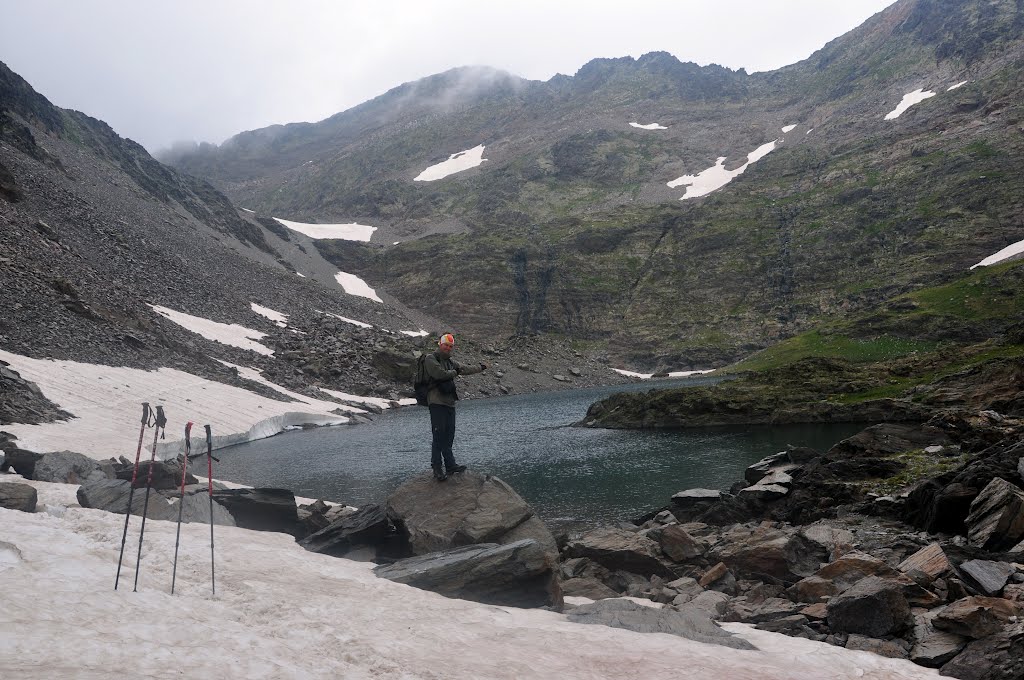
(788, 128)
(717, 176)
(649, 126)
(383, 403)
(809, 131)
(346, 232)
(281, 611)
(228, 334)
(277, 317)
(1006, 253)
(300, 274)
(953, 87)
(354, 285)
(685, 374)
(105, 401)
(633, 374)
(457, 162)
(416, 334)
(248, 211)
(255, 375)
(909, 100)
(347, 320)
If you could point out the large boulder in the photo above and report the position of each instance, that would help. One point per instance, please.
(986, 576)
(622, 613)
(518, 574)
(66, 467)
(112, 495)
(15, 496)
(467, 509)
(976, 617)
(873, 606)
(996, 519)
(996, 657)
(196, 507)
(886, 439)
(769, 555)
(933, 647)
(261, 509)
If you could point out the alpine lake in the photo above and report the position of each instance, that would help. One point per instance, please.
(573, 477)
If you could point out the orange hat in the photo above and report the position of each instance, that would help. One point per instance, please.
(447, 339)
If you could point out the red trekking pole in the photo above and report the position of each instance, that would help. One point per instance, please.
(131, 490)
(181, 499)
(161, 424)
(209, 481)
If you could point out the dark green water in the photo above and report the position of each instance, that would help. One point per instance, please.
(571, 476)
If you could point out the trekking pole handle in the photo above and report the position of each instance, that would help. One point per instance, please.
(145, 412)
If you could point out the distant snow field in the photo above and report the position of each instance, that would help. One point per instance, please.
(717, 176)
(789, 128)
(300, 274)
(224, 333)
(248, 211)
(457, 162)
(1004, 254)
(361, 324)
(953, 87)
(909, 100)
(416, 334)
(673, 374)
(649, 126)
(633, 374)
(278, 318)
(345, 232)
(106, 402)
(354, 285)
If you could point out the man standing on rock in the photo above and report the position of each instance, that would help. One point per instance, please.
(441, 370)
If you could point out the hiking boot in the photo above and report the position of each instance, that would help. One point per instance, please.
(439, 475)
(456, 469)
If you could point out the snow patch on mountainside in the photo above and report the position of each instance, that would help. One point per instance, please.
(649, 126)
(361, 324)
(279, 318)
(345, 232)
(224, 333)
(717, 176)
(1004, 254)
(909, 99)
(457, 162)
(354, 285)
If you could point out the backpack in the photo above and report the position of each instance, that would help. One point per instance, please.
(420, 382)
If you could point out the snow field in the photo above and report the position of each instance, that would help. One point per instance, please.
(457, 162)
(282, 612)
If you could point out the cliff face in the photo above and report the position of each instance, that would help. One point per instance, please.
(570, 227)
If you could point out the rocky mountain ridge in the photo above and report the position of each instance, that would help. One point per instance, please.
(570, 228)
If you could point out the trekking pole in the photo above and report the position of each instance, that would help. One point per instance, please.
(181, 498)
(209, 481)
(131, 490)
(161, 424)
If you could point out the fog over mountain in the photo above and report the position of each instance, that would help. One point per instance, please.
(197, 71)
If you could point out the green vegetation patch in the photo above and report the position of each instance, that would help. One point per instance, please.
(816, 344)
(919, 465)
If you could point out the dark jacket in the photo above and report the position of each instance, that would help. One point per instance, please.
(443, 370)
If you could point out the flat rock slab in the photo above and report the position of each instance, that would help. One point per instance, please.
(996, 519)
(112, 495)
(930, 562)
(518, 574)
(620, 549)
(261, 509)
(367, 526)
(988, 577)
(66, 467)
(692, 625)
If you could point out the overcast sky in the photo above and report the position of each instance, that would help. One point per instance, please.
(173, 70)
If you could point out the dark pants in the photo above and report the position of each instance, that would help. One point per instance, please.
(442, 425)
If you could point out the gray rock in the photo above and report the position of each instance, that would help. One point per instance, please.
(367, 526)
(469, 508)
(758, 470)
(987, 577)
(692, 624)
(889, 648)
(587, 586)
(618, 549)
(677, 544)
(711, 603)
(873, 606)
(261, 509)
(996, 657)
(933, 647)
(66, 467)
(996, 519)
(112, 495)
(196, 508)
(14, 496)
(516, 574)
